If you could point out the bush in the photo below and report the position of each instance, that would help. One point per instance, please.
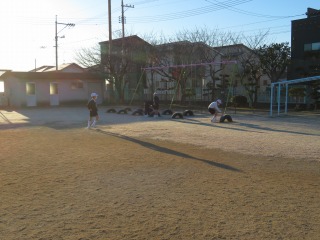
(239, 101)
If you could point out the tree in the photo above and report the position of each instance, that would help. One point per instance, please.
(246, 70)
(89, 57)
(186, 48)
(210, 53)
(253, 72)
(297, 92)
(179, 56)
(127, 57)
(274, 59)
(128, 54)
(315, 93)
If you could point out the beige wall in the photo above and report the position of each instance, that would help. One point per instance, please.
(17, 96)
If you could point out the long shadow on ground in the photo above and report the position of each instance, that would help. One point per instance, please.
(169, 151)
(250, 127)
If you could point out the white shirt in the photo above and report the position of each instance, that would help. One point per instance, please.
(215, 106)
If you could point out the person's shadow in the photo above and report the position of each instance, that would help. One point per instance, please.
(169, 151)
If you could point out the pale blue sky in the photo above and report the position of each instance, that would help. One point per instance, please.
(28, 27)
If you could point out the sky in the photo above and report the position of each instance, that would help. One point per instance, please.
(28, 32)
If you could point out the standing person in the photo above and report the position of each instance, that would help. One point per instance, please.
(214, 109)
(92, 106)
(148, 108)
(156, 104)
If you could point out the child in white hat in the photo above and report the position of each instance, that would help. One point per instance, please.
(214, 109)
(92, 106)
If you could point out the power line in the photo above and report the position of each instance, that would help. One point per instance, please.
(101, 19)
(247, 24)
(231, 8)
(183, 14)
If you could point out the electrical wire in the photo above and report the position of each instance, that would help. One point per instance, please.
(184, 14)
(231, 8)
(101, 19)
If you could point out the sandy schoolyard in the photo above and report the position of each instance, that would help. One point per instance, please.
(158, 178)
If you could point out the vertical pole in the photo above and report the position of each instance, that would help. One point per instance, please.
(122, 18)
(202, 83)
(110, 27)
(271, 99)
(279, 98)
(108, 60)
(122, 46)
(56, 38)
(286, 103)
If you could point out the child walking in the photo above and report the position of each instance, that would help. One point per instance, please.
(156, 105)
(92, 106)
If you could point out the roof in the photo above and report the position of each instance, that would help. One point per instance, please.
(126, 39)
(61, 67)
(311, 12)
(42, 69)
(184, 42)
(234, 50)
(52, 75)
(240, 45)
(2, 72)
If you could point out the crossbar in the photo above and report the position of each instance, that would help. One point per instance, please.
(190, 65)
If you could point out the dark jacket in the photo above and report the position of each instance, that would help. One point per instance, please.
(92, 105)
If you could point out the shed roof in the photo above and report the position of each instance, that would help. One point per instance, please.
(52, 75)
(61, 67)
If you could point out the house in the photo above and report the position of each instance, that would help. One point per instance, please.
(50, 88)
(123, 68)
(181, 70)
(241, 55)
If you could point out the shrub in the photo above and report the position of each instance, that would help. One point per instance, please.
(239, 101)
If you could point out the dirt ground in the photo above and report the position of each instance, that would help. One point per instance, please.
(158, 178)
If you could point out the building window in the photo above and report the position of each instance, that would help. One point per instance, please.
(53, 88)
(77, 84)
(31, 88)
(307, 47)
(1, 86)
(312, 47)
(316, 46)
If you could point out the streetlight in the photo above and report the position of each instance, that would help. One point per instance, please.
(56, 37)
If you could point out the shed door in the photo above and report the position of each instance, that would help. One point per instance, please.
(54, 94)
(31, 94)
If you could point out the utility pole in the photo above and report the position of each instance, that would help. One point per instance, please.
(110, 28)
(122, 15)
(123, 21)
(56, 37)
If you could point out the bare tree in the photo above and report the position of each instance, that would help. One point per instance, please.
(184, 49)
(128, 54)
(89, 57)
(249, 69)
(189, 47)
(174, 61)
